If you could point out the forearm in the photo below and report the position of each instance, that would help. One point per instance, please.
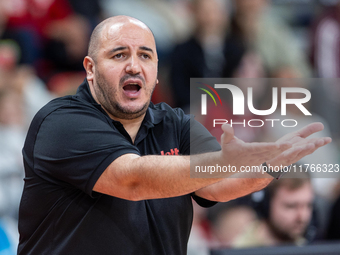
(239, 185)
(149, 177)
(168, 176)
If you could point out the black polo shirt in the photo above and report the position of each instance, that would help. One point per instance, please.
(70, 142)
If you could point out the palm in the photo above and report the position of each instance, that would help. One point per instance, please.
(301, 145)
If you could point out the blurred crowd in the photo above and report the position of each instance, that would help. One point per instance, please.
(42, 46)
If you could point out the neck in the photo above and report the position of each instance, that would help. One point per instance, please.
(277, 237)
(265, 234)
(214, 35)
(131, 126)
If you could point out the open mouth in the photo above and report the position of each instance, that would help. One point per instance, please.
(132, 87)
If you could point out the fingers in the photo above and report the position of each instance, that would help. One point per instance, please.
(313, 145)
(285, 145)
(256, 148)
(271, 151)
(299, 151)
(324, 141)
(309, 147)
(310, 129)
(228, 134)
(237, 152)
(257, 153)
(317, 142)
(286, 151)
(289, 156)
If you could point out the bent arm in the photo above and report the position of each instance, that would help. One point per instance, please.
(239, 185)
(135, 178)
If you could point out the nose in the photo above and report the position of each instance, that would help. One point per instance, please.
(133, 66)
(304, 213)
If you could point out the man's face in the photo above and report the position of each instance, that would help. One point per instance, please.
(291, 211)
(125, 69)
(247, 7)
(211, 16)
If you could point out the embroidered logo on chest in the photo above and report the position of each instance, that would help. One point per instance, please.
(174, 151)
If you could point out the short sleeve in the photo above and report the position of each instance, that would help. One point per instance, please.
(74, 146)
(197, 139)
(202, 201)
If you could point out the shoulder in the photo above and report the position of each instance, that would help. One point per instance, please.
(68, 115)
(189, 45)
(70, 126)
(173, 114)
(68, 107)
(326, 20)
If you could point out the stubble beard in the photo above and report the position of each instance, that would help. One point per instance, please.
(107, 94)
(281, 234)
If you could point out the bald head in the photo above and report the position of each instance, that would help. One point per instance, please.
(108, 26)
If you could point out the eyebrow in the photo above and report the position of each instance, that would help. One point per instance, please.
(118, 49)
(124, 48)
(146, 48)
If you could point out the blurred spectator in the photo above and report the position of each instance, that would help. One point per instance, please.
(22, 94)
(287, 210)
(325, 52)
(323, 183)
(333, 231)
(8, 237)
(22, 79)
(209, 52)
(90, 9)
(46, 30)
(199, 240)
(326, 155)
(229, 221)
(9, 54)
(167, 19)
(251, 66)
(255, 26)
(12, 136)
(325, 56)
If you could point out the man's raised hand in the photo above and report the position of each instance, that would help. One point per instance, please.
(236, 152)
(301, 145)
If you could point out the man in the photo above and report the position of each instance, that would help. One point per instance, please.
(96, 180)
(287, 213)
(208, 52)
(255, 24)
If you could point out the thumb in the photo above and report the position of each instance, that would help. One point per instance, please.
(228, 134)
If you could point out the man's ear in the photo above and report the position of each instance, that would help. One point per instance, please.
(89, 66)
